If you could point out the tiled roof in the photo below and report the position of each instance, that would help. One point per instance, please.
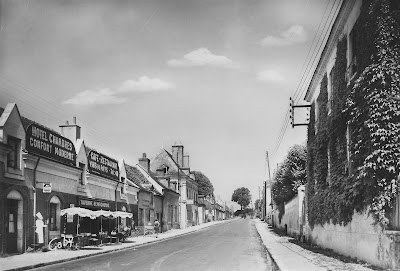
(136, 177)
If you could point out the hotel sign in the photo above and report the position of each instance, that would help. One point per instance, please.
(46, 143)
(94, 204)
(103, 165)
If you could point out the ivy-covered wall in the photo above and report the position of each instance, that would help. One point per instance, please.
(365, 106)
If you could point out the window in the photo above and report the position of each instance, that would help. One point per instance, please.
(82, 177)
(151, 198)
(395, 221)
(330, 89)
(316, 116)
(53, 216)
(348, 142)
(140, 222)
(148, 216)
(352, 55)
(13, 156)
(123, 187)
(176, 214)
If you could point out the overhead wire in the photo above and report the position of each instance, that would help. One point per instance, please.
(311, 60)
(14, 86)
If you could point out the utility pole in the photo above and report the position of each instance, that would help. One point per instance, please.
(265, 188)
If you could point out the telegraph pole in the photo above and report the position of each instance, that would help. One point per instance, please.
(265, 188)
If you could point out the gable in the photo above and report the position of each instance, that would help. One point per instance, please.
(11, 123)
(162, 159)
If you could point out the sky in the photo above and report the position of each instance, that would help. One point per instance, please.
(213, 75)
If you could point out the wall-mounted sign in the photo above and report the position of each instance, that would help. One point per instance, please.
(103, 165)
(46, 143)
(94, 204)
(47, 188)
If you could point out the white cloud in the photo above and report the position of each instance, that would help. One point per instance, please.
(269, 75)
(274, 41)
(91, 97)
(202, 57)
(294, 34)
(145, 84)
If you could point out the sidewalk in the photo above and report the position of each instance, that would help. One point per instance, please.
(37, 259)
(289, 256)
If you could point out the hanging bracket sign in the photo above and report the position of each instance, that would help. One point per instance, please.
(103, 165)
(46, 143)
(47, 188)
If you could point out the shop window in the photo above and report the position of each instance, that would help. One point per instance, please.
(13, 156)
(82, 177)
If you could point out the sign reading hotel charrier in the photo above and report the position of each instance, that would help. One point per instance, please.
(46, 143)
(103, 165)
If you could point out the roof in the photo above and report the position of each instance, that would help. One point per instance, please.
(134, 175)
(155, 179)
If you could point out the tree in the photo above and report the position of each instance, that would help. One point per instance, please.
(290, 175)
(242, 196)
(205, 186)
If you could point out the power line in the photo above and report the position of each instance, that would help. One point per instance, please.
(317, 53)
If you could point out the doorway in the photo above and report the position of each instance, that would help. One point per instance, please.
(14, 223)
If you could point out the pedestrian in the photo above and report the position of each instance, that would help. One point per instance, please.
(156, 227)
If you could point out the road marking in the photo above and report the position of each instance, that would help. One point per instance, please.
(156, 266)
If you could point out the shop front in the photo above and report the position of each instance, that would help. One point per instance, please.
(100, 223)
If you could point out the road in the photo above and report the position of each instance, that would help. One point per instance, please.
(234, 245)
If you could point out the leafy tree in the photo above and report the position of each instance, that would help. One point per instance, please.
(242, 196)
(205, 186)
(290, 175)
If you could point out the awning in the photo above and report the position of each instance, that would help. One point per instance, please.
(82, 212)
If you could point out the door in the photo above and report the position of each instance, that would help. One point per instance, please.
(12, 221)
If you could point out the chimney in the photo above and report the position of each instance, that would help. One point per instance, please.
(177, 154)
(71, 131)
(144, 162)
(186, 161)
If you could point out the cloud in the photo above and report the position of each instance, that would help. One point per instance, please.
(269, 75)
(294, 34)
(145, 84)
(202, 57)
(91, 97)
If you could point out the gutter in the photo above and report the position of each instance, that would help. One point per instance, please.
(34, 197)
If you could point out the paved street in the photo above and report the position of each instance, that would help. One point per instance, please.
(234, 245)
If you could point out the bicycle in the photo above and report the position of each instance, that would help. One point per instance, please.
(63, 241)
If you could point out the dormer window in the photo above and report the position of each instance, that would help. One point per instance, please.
(13, 157)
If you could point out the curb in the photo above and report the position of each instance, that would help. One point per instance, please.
(266, 250)
(109, 251)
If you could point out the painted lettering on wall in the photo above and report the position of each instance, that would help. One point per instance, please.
(94, 204)
(44, 142)
(102, 165)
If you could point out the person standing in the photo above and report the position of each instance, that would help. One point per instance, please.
(156, 227)
(39, 228)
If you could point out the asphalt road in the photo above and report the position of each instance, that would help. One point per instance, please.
(234, 245)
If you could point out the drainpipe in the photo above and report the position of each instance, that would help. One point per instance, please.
(162, 213)
(34, 198)
(116, 206)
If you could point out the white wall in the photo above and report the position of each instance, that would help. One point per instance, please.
(359, 239)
